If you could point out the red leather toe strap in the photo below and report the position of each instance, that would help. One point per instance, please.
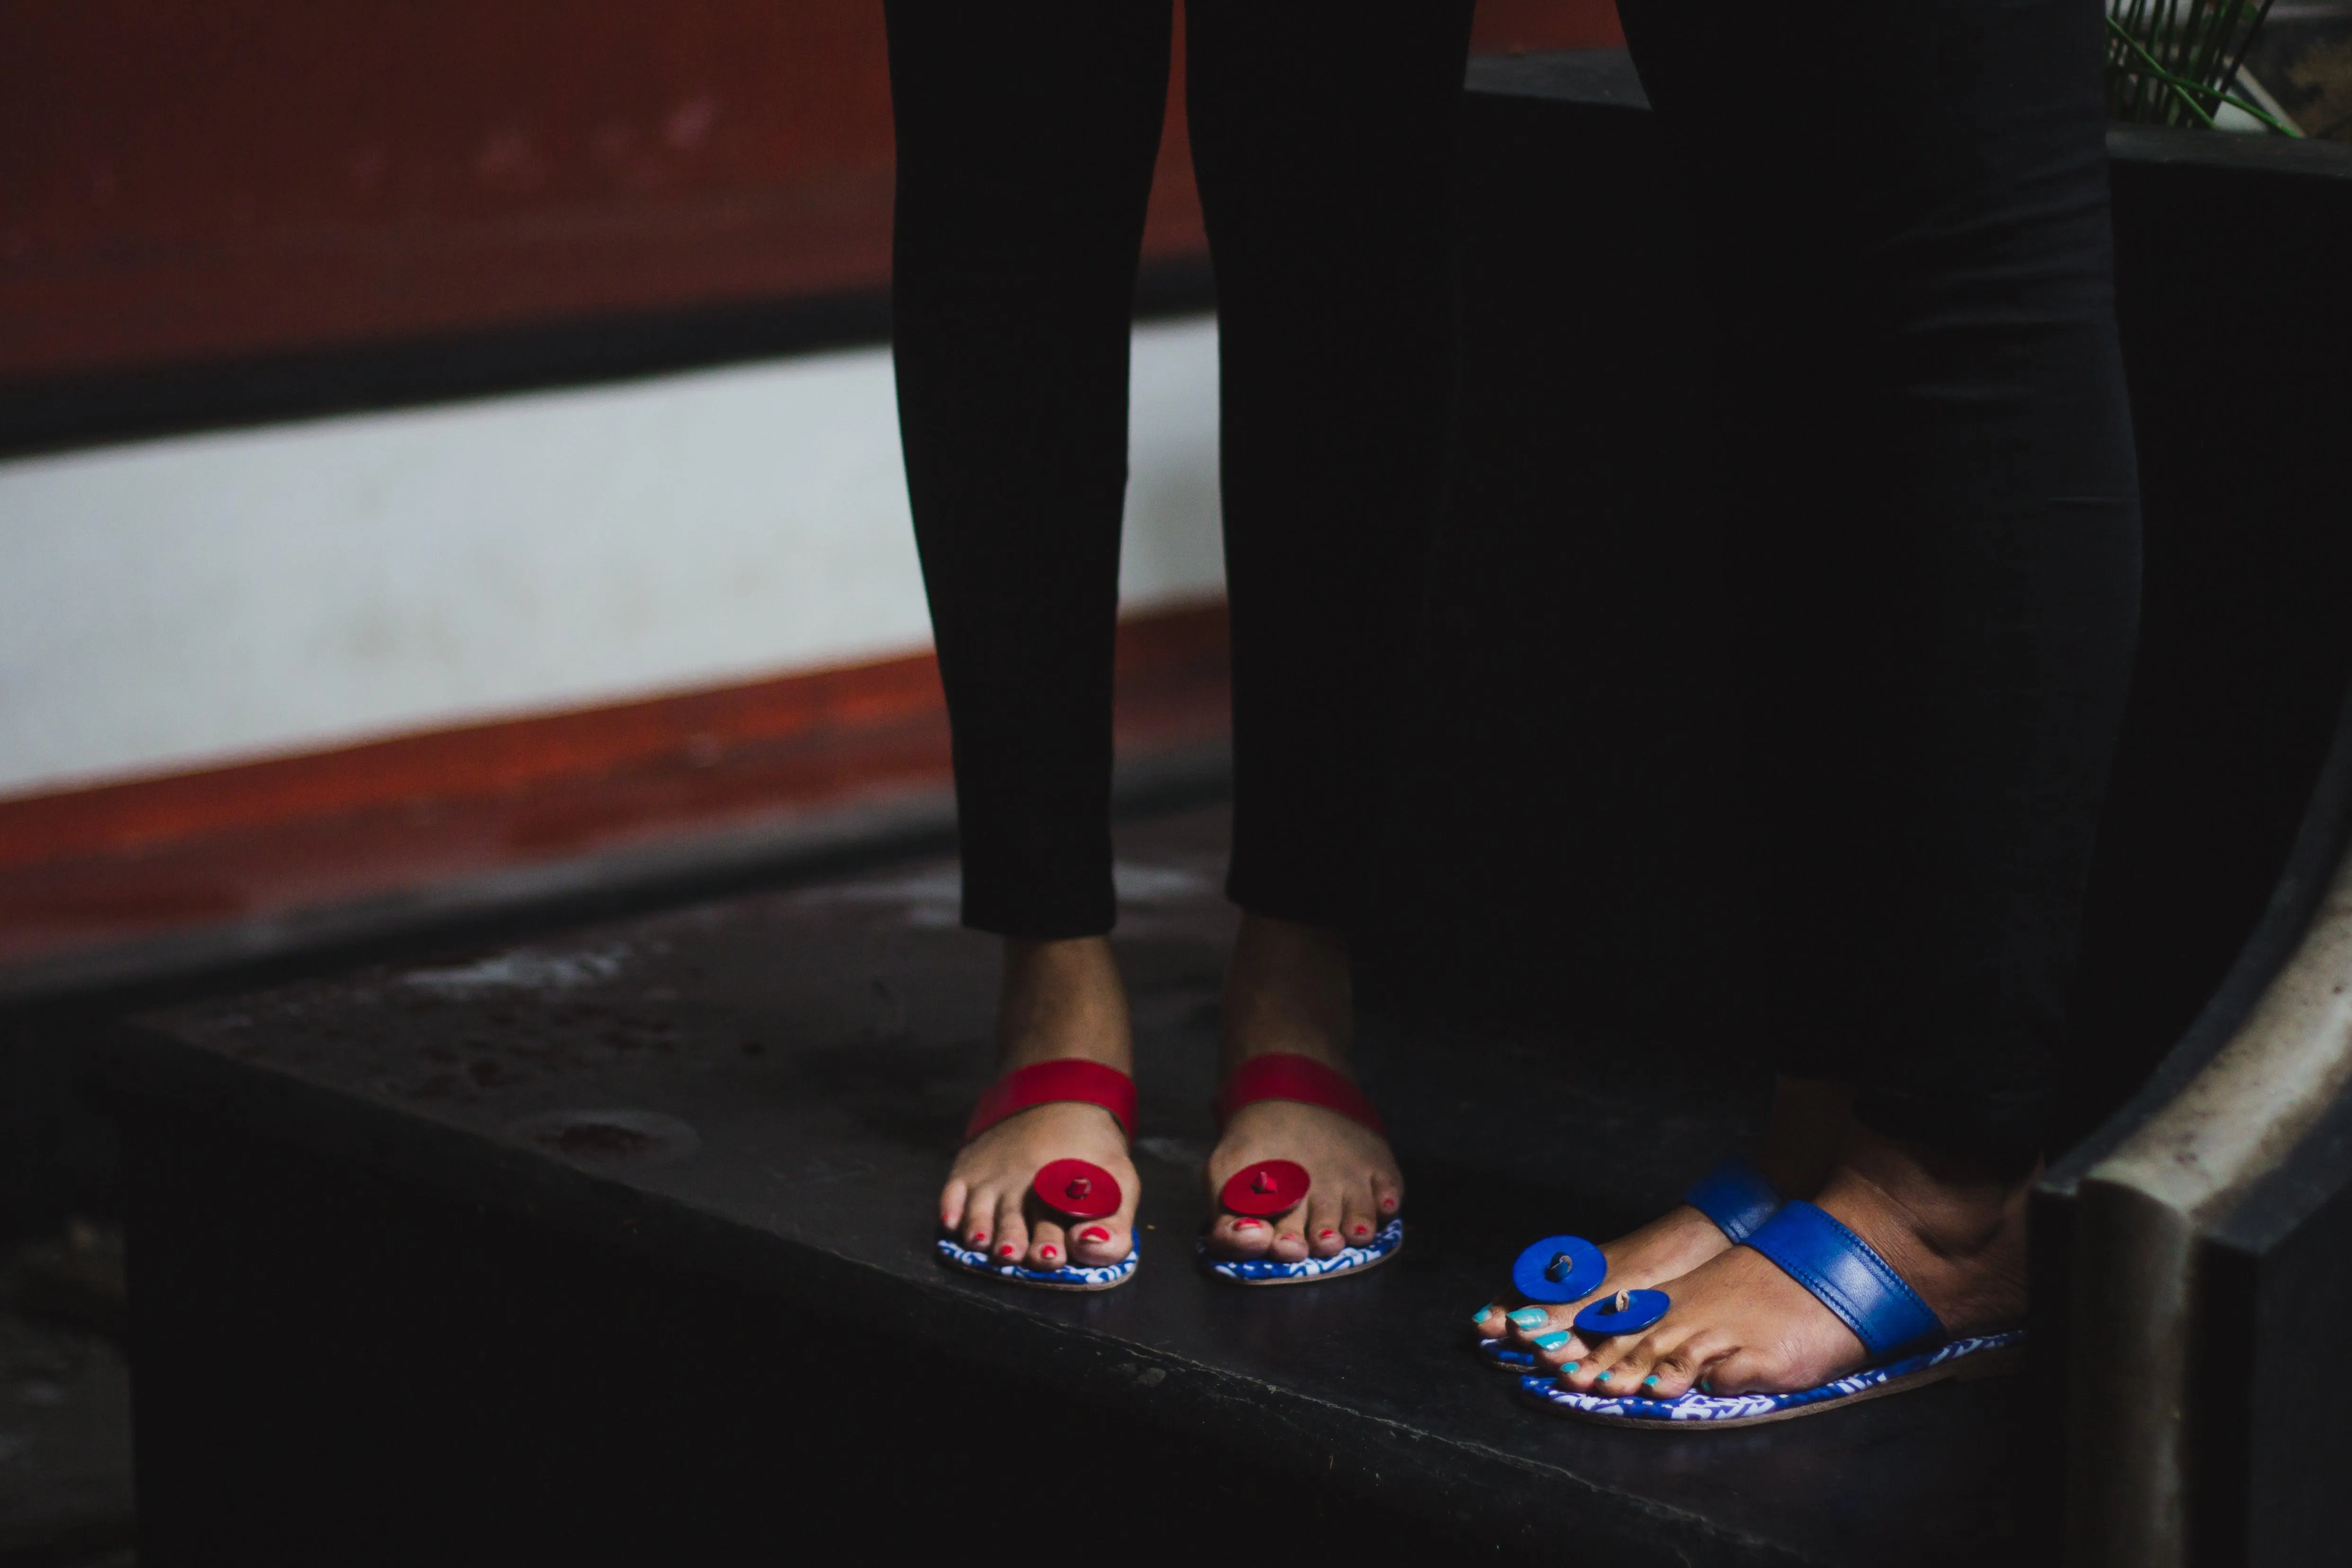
(1043, 1083)
(1280, 1075)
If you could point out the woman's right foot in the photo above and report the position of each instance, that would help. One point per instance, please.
(1952, 1230)
(1807, 1132)
(1061, 1000)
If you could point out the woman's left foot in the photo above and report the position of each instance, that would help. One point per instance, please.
(1954, 1234)
(1806, 1135)
(1288, 991)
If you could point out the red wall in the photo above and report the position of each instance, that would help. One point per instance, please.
(187, 178)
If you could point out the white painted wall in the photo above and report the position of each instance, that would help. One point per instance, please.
(182, 603)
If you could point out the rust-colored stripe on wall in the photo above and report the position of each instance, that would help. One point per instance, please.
(132, 858)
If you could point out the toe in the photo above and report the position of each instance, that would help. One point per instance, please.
(1323, 1235)
(979, 1217)
(1099, 1243)
(1388, 1195)
(1585, 1372)
(1012, 1243)
(1628, 1378)
(1528, 1321)
(1235, 1235)
(1741, 1371)
(1289, 1243)
(1673, 1374)
(1048, 1248)
(1636, 1360)
(1612, 1375)
(1356, 1222)
(951, 1207)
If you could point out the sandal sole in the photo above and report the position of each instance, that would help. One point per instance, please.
(1025, 1278)
(1323, 1277)
(1990, 1363)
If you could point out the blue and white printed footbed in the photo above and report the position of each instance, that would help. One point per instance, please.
(1907, 1343)
(1735, 1195)
(1347, 1260)
(1979, 1357)
(1074, 1189)
(1069, 1277)
(1271, 1188)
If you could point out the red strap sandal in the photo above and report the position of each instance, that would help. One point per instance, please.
(1077, 1189)
(1271, 1187)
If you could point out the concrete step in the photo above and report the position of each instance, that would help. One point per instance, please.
(385, 1304)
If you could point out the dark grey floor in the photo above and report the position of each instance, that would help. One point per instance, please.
(808, 1057)
(65, 1437)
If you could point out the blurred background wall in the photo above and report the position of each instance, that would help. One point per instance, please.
(400, 370)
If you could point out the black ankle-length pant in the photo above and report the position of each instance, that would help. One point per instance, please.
(1927, 465)
(1322, 141)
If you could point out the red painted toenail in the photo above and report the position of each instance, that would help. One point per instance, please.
(1094, 1233)
(1321, 1234)
(1008, 1250)
(1247, 1224)
(1047, 1252)
(1388, 1203)
(980, 1239)
(1363, 1230)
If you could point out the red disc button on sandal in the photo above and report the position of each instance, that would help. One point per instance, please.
(1267, 1188)
(1077, 1188)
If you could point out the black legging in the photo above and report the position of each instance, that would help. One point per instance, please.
(1931, 483)
(1322, 139)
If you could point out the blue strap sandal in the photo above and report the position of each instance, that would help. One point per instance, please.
(1907, 1342)
(1735, 1195)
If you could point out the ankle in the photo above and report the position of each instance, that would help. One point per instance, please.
(1952, 1226)
(1062, 998)
(1806, 1136)
(1288, 989)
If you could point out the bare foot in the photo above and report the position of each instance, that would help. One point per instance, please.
(1801, 1143)
(1955, 1233)
(1290, 991)
(1060, 999)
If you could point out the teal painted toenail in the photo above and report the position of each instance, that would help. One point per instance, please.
(1649, 1383)
(1480, 1320)
(1604, 1377)
(1528, 1316)
(1571, 1366)
(1551, 1342)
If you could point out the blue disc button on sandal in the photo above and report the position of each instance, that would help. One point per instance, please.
(1627, 1312)
(1907, 1343)
(1735, 1195)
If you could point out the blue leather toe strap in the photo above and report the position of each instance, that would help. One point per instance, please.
(1849, 1279)
(1735, 1196)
